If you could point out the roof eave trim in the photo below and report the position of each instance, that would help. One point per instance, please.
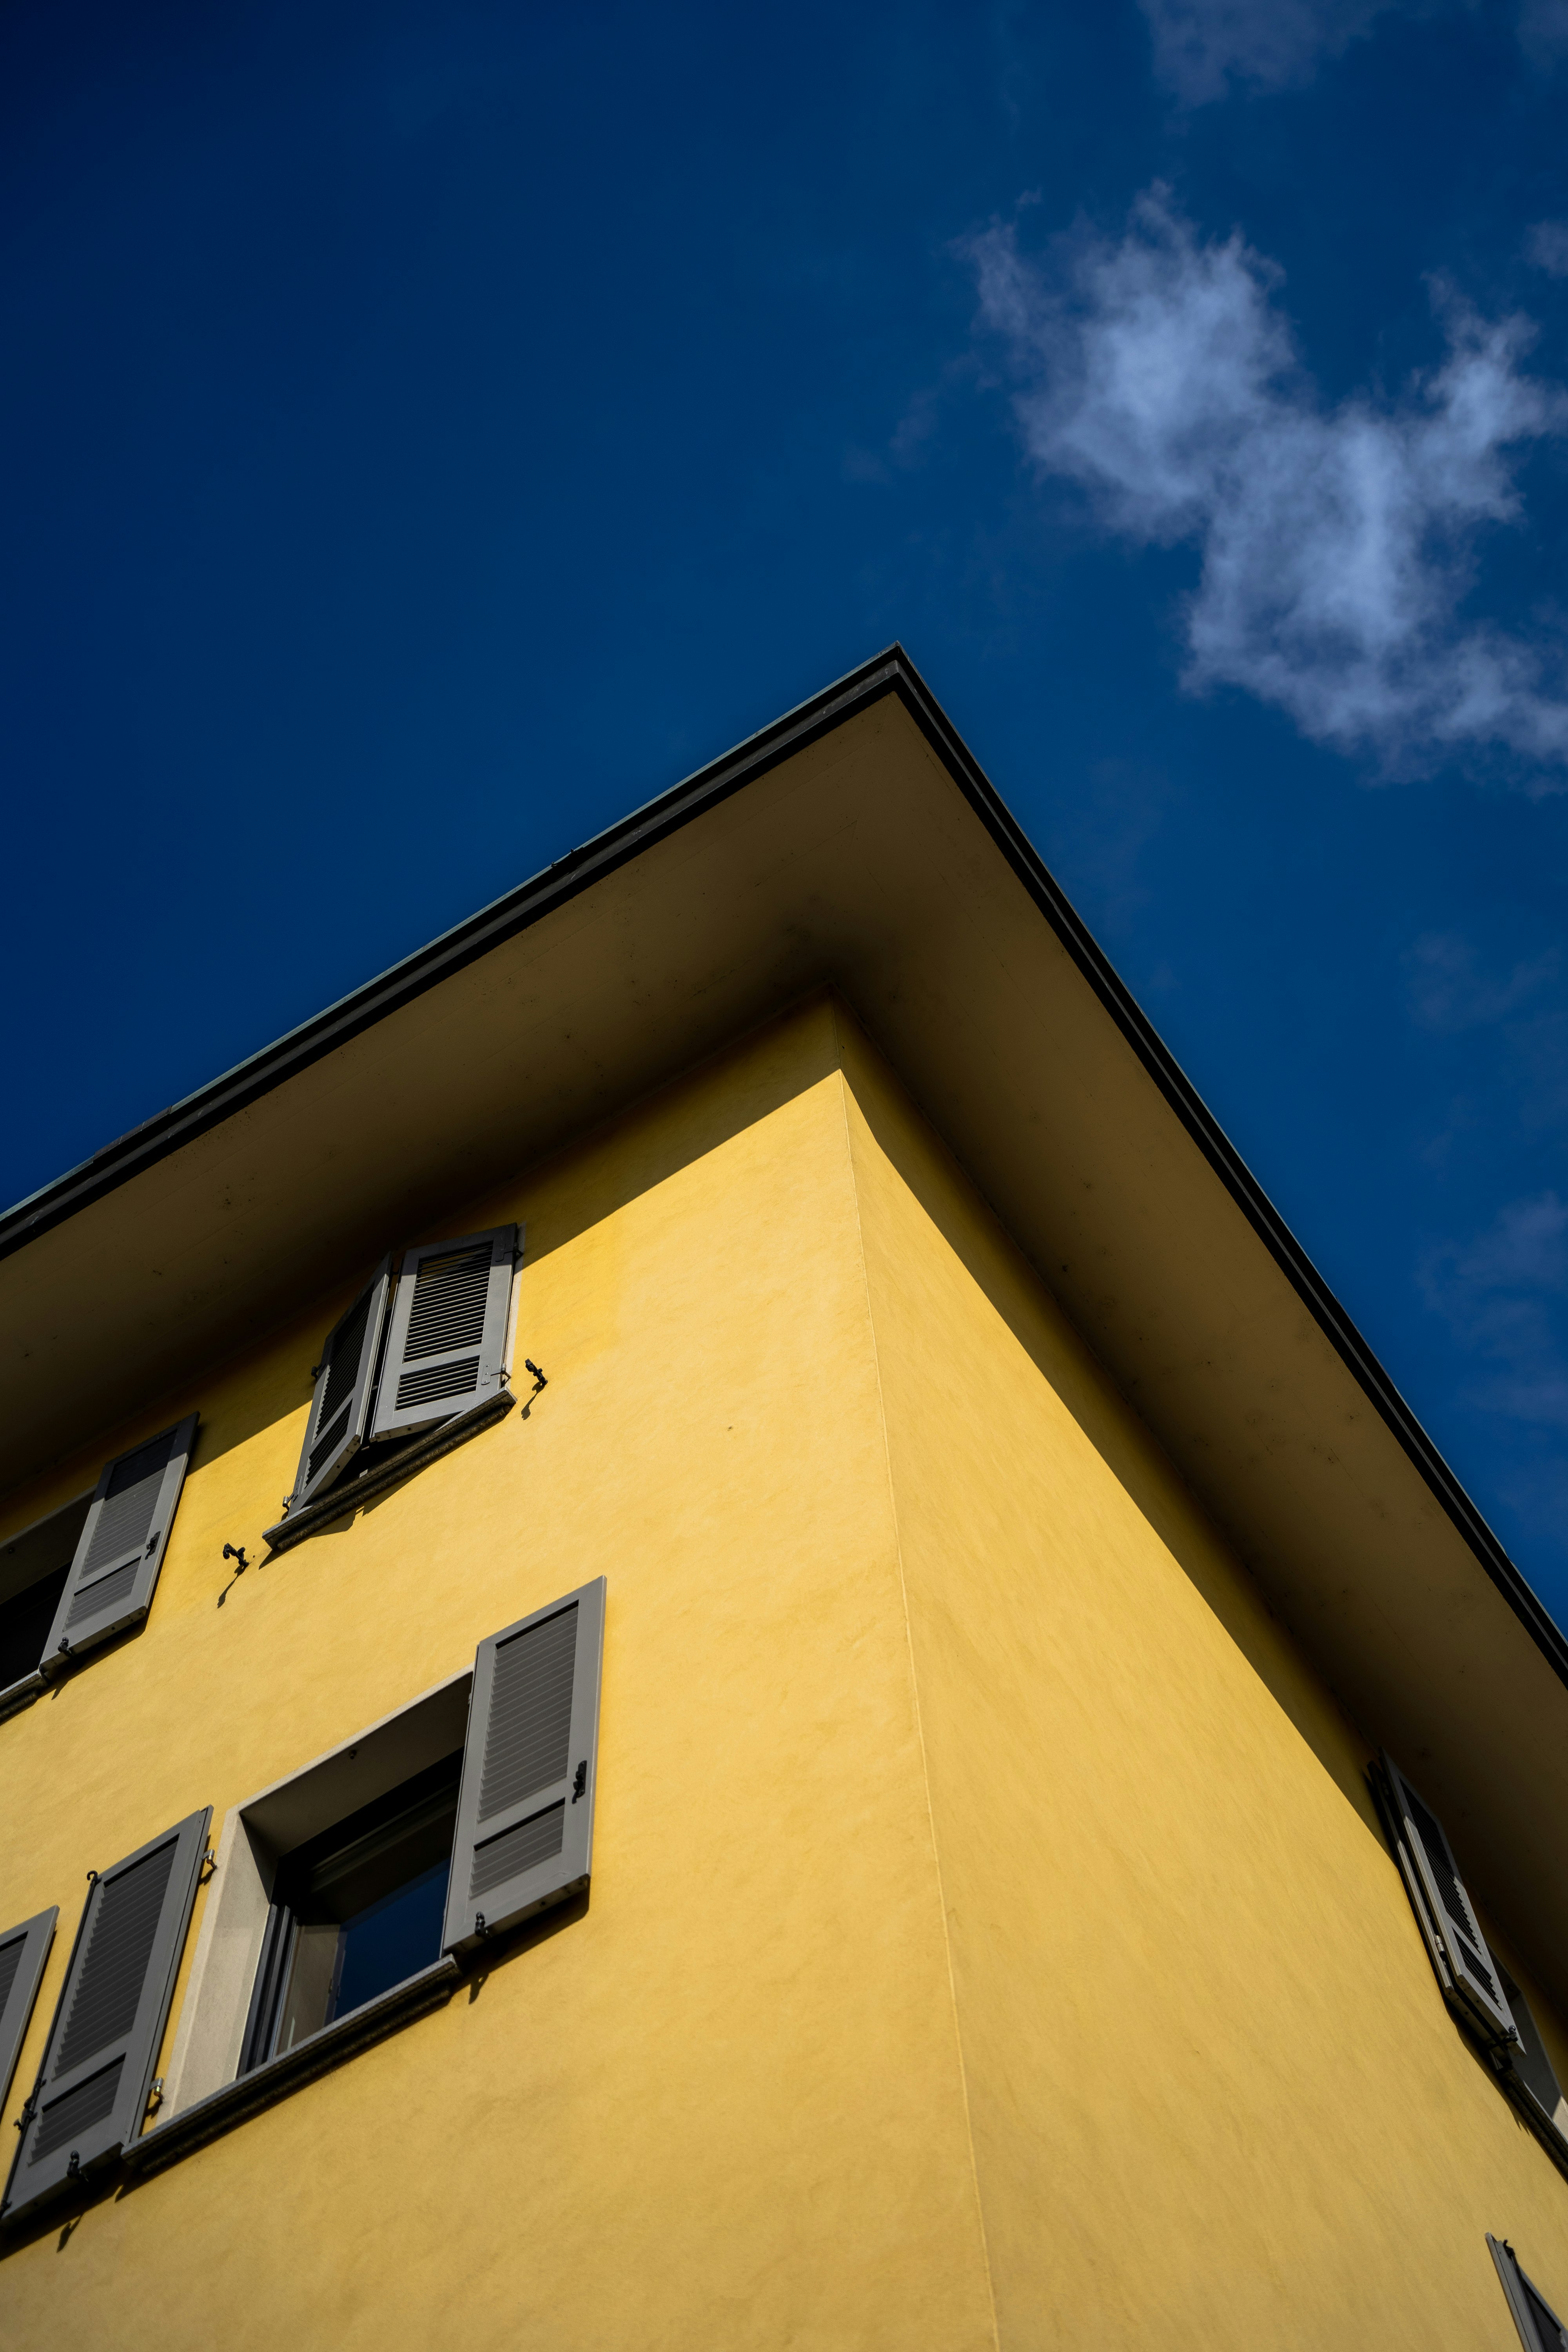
(891, 672)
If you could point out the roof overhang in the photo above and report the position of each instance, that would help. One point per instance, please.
(854, 842)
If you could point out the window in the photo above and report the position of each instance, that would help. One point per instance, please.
(347, 1896)
(1532, 2069)
(415, 1349)
(34, 1567)
(1540, 2329)
(23, 1952)
(1478, 1989)
(94, 2085)
(91, 1571)
(355, 1910)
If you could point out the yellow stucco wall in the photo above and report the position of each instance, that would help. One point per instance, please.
(989, 1937)
(1216, 2099)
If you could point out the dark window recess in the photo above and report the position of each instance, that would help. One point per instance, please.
(33, 1572)
(25, 1625)
(354, 1912)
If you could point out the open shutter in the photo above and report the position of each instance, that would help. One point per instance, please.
(446, 1348)
(345, 1376)
(23, 1951)
(92, 2093)
(525, 1815)
(1529, 2062)
(122, 1544)
(1540, 2329)
(1451, 1914)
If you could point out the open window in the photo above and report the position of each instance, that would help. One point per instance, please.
(34, 1566)
(356, 1909)
(418, 1348)
(1532, 2078)
(1540, 2329)
(1466, 1970)
(89, 1572)
(347, 1896)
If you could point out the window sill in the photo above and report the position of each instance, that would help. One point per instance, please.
(339, 1501)
(194, 2127)
(16, 1695)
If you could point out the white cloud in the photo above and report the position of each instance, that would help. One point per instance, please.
(1498, 1291)
(1336, 544)
(1202, 47)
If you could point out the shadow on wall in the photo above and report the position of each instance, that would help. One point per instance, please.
(266, 1380)
(1023, 1300)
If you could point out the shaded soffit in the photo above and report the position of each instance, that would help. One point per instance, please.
(854, 842)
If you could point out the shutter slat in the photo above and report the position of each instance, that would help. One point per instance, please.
(344, 1390)
(1540, 2329)
(123, 1539)
(24, 1952)
(1448, 1901)
(525, 1815)
(446, 1343)
(92, 2093)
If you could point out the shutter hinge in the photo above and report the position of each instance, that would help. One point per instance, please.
(208, 1864)
(480, 1926)
(580, 1785)
(28, 2105)
(155, 2095)
(73, 2169)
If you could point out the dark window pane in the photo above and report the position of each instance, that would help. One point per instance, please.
(395, 1938)
(25, 1625)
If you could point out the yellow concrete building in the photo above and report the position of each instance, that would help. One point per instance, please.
(817, 1757)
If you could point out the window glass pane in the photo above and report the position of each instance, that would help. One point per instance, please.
(25, 1625)
(393, 1938)
(364, 1903)
(308, 1999)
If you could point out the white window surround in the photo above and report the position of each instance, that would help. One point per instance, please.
(256, 1836)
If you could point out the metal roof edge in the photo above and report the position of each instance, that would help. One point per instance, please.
(888, 672)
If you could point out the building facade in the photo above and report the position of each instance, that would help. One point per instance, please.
(867, 1724)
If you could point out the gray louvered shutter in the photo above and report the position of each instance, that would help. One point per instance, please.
(23, 1951)
(1452, 1913)
(122, 1544)
(1530, 2065)
(92, 2093)
(525, 1816)
(447, 1347)
(1540, 2329)
(339, 1406)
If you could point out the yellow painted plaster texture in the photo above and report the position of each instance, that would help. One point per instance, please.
(723, 2107)
(1216, 2099)
(985, 1892)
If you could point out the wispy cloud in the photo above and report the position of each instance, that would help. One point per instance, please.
(1502, 1292)
(1204, 48)
(1547, 247)
(1451, 990)
(1208, 49)
(1337, 545)
(1544, 31)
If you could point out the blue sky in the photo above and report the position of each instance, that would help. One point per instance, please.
(432, 429)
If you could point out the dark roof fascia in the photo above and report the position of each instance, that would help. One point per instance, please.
(1230, 1167)
(891, 672)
